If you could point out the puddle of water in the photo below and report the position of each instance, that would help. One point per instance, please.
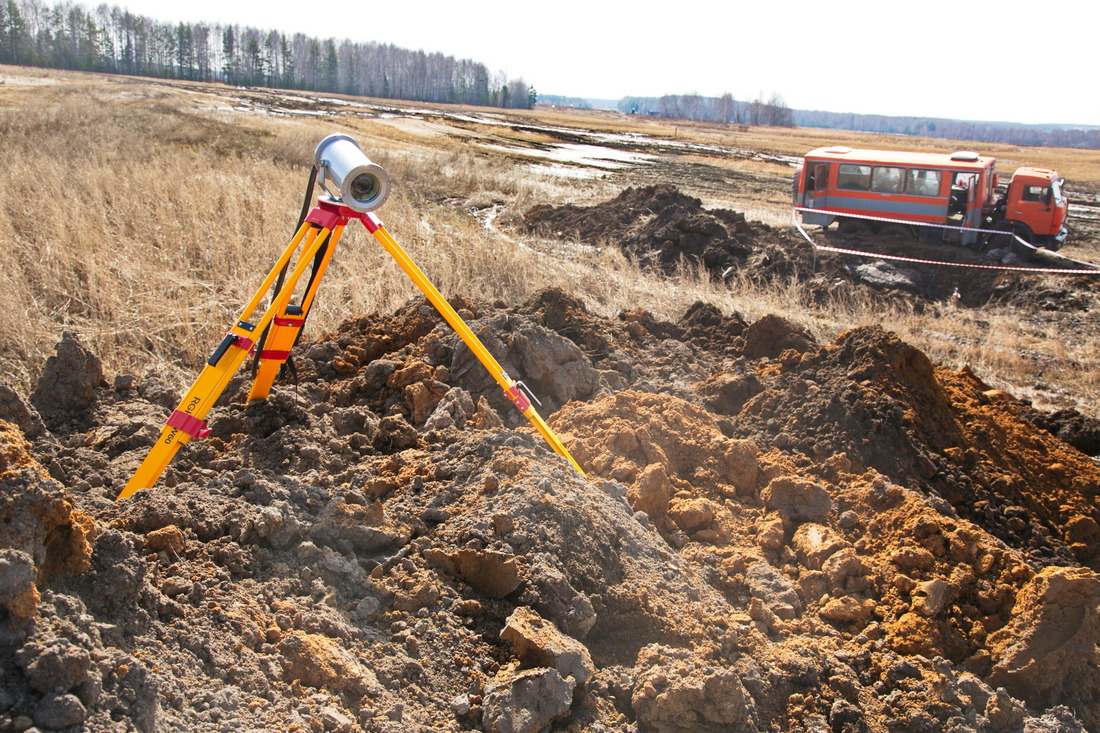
(27, 81)
(594, 156)
(566, 171)
(600, 150)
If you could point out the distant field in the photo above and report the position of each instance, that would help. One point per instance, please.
(142, 215)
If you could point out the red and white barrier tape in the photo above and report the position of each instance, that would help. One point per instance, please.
(1095, 269)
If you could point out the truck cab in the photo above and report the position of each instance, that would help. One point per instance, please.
(1034, 207)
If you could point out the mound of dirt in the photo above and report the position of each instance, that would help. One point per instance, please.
(1080, 431)
(658, 225)
(662, 227)
(773, 534)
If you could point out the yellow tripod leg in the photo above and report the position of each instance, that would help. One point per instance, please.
(287, 324)
(510, 386)
(186, 421)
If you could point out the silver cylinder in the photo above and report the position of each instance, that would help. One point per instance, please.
(363, 185)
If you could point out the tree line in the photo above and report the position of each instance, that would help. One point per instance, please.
(772, 112)
(113, 40)
(1060, 136)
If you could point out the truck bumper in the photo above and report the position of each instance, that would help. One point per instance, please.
(1057, 240)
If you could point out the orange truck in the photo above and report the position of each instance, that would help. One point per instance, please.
(934, 196)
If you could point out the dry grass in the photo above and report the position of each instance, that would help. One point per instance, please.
(121, 222)
(139, 218)
(144, 226)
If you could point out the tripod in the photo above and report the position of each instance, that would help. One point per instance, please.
(276, 330)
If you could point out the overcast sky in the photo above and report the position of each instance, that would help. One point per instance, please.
(1011, 60)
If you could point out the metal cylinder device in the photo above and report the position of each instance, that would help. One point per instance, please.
(363, 185)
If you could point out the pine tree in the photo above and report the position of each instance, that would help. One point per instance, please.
(13, 31)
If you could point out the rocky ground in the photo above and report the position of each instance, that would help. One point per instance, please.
(773, 534)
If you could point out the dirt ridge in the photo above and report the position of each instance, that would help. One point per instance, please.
(773, 535)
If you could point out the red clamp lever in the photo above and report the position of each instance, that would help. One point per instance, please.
(521, 396)
(189, 424)
(518, 397)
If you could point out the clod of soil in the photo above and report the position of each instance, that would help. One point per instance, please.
(773, 534)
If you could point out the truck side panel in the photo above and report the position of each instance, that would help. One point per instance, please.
(889, 206)
(840, 196)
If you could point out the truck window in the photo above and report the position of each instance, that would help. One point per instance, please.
(854, 177)
(886, 179)
(963, 180)
(923, 183)
(1037, 194)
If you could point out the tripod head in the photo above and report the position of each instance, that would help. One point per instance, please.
(362, 185)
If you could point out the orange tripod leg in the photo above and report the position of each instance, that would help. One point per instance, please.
(283, 332)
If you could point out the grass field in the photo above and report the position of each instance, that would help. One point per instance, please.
(143, 215)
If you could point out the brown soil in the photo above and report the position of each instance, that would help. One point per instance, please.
(772, 535)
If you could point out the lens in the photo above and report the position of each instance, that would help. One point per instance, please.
(364, 187)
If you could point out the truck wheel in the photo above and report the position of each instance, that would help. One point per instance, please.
(1022, 251)
(852, 226)
(897, 230)
(1005, 238)
(929, 235)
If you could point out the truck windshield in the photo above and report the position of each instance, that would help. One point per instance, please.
(1059, 196)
